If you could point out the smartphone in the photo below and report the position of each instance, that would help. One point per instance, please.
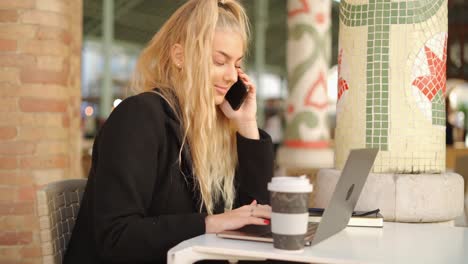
(237, 94)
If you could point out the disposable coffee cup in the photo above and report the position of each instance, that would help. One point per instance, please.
(289, 198)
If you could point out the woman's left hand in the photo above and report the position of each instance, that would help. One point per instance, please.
(245, 117)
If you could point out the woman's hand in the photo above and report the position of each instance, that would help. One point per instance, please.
(245, 117)
(252, 214)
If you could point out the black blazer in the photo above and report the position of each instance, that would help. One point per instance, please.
(137, 203)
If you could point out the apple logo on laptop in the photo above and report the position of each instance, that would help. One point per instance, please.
(350, 191)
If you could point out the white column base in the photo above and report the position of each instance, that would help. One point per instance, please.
(402, 197)
(296, 158)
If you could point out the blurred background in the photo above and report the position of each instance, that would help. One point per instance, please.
(136, 21)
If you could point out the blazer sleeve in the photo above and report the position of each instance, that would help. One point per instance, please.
(255, 169)
(128, 149)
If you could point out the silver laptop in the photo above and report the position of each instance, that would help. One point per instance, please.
(339, 210)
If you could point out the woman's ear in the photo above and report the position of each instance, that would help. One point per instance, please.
(177, 55)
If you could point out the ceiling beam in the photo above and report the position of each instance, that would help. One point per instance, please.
(123, 7)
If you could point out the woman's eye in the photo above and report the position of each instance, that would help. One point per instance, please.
(238, 66)
(219, 63)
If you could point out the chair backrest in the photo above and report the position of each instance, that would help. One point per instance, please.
(58, 204)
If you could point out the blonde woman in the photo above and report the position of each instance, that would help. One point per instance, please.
(176, 161)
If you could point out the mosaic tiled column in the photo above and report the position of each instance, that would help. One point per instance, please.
(391, 91)
(306, 143)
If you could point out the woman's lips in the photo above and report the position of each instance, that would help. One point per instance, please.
(221, 89)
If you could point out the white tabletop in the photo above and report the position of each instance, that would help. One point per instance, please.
(395, 243)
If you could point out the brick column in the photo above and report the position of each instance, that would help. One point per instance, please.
(40, 95)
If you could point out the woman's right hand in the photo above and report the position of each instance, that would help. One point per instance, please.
(252, 214)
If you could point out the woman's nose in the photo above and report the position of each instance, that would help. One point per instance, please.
(231, 74)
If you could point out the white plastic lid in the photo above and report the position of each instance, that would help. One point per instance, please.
(296, 184)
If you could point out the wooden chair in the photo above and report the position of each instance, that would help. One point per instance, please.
(58, 204)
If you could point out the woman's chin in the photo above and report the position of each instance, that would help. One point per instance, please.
(219, 100)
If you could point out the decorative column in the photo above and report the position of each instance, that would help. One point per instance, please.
(40, 97)
(391, 91)
(107, 91)
(306, 143)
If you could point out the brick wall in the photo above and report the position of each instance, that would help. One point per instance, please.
(40, 51)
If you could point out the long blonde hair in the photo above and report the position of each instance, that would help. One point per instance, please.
(207, 131)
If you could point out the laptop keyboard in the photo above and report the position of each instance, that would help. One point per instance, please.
(265, 231)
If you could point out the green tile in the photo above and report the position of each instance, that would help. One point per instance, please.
(402, 5)
(386, 20)
(394, 20)
(383, 140)
(383, 147)
(385, 125)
